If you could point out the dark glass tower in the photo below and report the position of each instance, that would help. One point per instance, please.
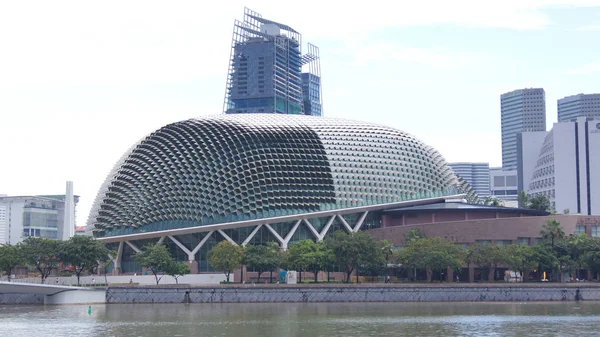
(265, 70)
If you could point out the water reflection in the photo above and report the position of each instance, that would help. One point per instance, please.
(347, 319)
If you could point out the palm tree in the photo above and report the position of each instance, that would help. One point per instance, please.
(552, 231)
(387, 248)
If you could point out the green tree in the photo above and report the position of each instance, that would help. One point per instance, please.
(543, 258)
(11, 256)
(352, 250)
(552, 231)
(387, 249)
(592, 255)
(83, 253)
(259, 258)
(519, 258)
(491, 201)
(309, 256)
(156, 258)
(297, 256)
(432, 254)
(484, 256)
(43, 254)
(274, 258)
(177, 269)
(523, 200)
(540, 202)
(225, 257)
(413, 235)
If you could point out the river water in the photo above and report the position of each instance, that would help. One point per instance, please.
(313, 320)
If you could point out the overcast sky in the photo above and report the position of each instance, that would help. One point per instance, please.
(81, 81)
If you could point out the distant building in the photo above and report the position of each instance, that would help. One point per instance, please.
(265, 70)
(572, 107)
(503, 186)
(567, 166)
(45, 216)
(476, 174)
(521, 110)
(528, 151)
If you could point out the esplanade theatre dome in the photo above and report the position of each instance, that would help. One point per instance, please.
(231, 168)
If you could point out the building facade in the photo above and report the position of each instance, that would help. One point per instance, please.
(521, 111)
(265, 71)
(567, 167)
(258, 178)
(36, 216)
(476, 174)
(504, 186)
(581, 105)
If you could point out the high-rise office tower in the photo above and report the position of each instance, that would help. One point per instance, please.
(572, 107)
(520, 110)
(476, 174)
(265, 70)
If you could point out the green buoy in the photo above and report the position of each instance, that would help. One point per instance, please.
(90, 310)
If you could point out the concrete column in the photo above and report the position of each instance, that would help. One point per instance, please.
(193, 266)
(450, 273)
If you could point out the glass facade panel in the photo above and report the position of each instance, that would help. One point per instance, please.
(579, 229)
(503, 242)
(523, 241)
(595, 231)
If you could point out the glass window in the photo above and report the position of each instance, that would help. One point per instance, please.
(503, 242)
(523, 241)
(579, 229)
(483, 242)
(595, 231)
(538, 241)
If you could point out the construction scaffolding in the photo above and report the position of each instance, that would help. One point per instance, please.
(272, 83)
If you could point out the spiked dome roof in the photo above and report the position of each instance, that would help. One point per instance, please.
(228, 168)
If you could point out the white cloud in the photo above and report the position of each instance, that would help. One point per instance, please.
(590, 28)
(431, 57)
(585, 69)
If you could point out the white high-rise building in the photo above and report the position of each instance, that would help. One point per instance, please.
(572, 107)
(521, 110)
(476, 174)
(567, 166)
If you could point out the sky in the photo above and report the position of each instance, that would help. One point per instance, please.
(81, 81)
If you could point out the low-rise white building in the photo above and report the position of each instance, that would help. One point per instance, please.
(49, 216)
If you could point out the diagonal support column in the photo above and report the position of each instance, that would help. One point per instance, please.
(183, 247)
(197, 248)
(360, 222)
(227, 238)
(134, 247)
(288, 237)
(312, 229)
(251, 235)
(345, 223)
(275, 234)
(326, 228)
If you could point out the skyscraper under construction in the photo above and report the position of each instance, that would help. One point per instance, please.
(265, 70)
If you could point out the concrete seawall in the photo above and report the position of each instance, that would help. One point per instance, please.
(289, 294)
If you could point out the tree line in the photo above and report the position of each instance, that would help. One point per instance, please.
(556, 254)
(347, 252)
(79, 254)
